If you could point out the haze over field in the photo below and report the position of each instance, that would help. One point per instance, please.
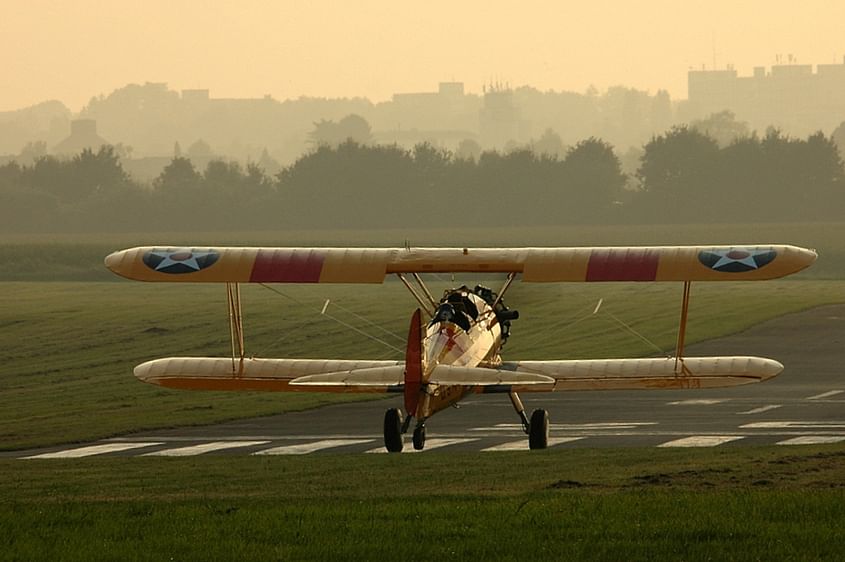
(374, 48)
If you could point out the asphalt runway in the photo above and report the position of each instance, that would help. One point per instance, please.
(803, 405)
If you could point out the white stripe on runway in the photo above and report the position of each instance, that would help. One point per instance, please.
(825, 395)
(305, 448)
(91, 450)
(813, 440)
(760, 410)
(522, 444)
(697, 402)
(795, 425)
(701, 441)
(203, 448)
(429, 445)
(568, 426)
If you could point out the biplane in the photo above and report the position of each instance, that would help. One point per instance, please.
(454, 342)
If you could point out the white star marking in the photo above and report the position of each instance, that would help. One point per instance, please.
(167, 259)
(748, 260)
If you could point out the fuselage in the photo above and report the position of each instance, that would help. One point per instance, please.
(465, 331)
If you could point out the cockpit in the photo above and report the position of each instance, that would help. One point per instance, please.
(460, 307)
(457, 307)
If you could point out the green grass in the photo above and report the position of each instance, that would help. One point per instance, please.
(67, 349)
(643, 504)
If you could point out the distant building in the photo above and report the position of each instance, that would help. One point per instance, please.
(83, 134)
(443, 118)
(499, 121)
(447, 109)
(195, 96)
(788, 96)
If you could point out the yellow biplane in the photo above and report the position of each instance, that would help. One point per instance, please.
(455, 350)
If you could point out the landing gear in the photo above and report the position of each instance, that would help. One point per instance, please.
(538, 430)
(393, 431)
(419, 437)
(520, 410)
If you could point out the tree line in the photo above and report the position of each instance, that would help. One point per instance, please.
(684, 175)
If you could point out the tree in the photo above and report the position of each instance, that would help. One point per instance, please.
(838, 137)
(32, 152)
(594, 177)
(722, 127)
(200, 150)
(549, 144)
(677, 172)
(468, 149)
(352, 127)
(178, 176)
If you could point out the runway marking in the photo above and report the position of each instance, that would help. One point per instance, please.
(702, 441)
(568, 426)
(760, 410)
(825, 395)
(813, 440)
(305, 448)
(522, 444)
(795, 425)
(698, 402)
(429, 445)
(91, 450)
(203, 448)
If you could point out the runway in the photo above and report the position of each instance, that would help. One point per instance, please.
(803, 405)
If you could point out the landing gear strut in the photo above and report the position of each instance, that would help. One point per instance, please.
(520, 410)
(419, 437)
(393, 441)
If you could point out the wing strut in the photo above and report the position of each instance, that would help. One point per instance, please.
(682, 332)
(430, 307)
(236, 326)
(503, 290)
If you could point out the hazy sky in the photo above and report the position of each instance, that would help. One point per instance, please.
(72, 50)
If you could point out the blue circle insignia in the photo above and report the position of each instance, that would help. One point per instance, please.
(180, 260)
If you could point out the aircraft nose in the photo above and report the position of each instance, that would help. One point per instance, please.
(113, 260)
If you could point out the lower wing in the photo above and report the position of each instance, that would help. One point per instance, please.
(210, 373)
(666, 372)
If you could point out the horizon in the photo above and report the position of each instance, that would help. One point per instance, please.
(376, 49)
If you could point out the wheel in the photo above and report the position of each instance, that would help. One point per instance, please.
(538, 430)
(393, 430)
(419, 437)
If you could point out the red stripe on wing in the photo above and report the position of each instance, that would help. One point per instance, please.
(622, 264)
(285, 265)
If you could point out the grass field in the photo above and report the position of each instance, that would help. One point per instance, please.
(70, 334)
(579, 504)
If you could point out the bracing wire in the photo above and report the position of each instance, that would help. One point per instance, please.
(363, 333)
(594, 311)
(637, 334)
(363, 319)
(339, 321)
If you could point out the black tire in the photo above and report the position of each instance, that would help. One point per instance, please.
(393, 430)
(538, 430)
(419, 437)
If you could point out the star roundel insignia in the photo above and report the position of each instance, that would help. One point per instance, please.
(736, 260)
(179, 260)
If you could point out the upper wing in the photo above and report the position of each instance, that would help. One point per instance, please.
(371, 265)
